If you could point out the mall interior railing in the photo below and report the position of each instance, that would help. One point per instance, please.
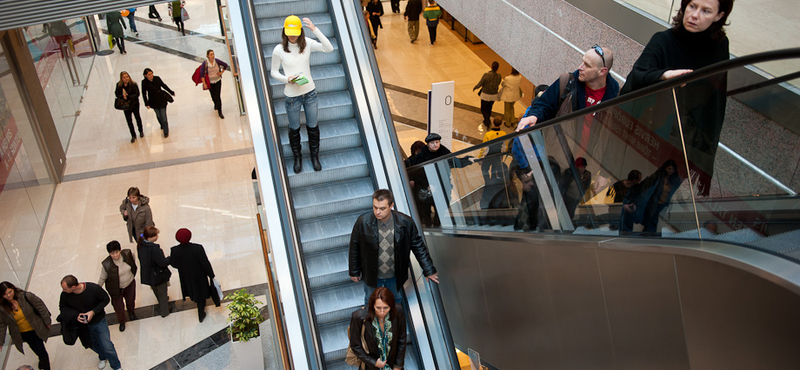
(711, 168)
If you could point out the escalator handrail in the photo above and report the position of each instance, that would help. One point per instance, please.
(767, 56)
(280, 181)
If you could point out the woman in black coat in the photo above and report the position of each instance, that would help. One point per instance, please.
(154, 93)
(154, 267)
(375, 11)
(128, 91)
(382, 327)
(194, 270)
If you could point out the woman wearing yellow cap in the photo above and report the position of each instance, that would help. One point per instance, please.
(293, 55)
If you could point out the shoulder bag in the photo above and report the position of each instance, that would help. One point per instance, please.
(351, 358)
(121, 104)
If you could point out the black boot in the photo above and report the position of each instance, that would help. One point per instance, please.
(294, 142)
(313, 146)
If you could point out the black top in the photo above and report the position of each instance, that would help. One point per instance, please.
(152, 95)
(413, 10)
(93, 298)
(194, 269)
(133, 94)
(153, 264)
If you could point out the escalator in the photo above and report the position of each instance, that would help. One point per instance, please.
(312, 213)
(701, 281)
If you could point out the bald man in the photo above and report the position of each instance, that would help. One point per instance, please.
(588, 85)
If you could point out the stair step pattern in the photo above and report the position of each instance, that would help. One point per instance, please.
(326, 203)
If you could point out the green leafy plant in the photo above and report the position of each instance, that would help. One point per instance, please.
(244, 315)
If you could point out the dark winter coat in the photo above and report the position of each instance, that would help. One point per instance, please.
(115, 24)
(413, 10)
(547, 106)
(194, 270)
(112, 272)
(397, 352)
(155, 267)
(375, 7)
(139, 219)
(153, 93)
(133, 94)
(35, 312)
(364, 248)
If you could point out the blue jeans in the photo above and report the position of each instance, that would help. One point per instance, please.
(308, 102)
(390, 284)
(132, 21)
(101, 343)
(161, 115)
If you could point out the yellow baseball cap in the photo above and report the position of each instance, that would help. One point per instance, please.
(292, 26)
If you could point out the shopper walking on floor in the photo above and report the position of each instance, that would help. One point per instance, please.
(119, 276)
(411, 15)
(128, 91)
(293, 55)
(375, 10)
(176, 10)
(115, 27)
(135, 210)
(210, 75)
(510, 93)
(431, 14)
(154, 94)
(27, 319)
(155, 270)
(194, 270)
(488, 85)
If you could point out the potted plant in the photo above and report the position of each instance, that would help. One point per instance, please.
(244, 318)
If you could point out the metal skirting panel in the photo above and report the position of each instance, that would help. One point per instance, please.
(525, 301)
(17, 14)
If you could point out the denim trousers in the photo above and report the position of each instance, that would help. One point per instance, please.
(390, 284)
(308, 102)
(101, 343)
(161, 115)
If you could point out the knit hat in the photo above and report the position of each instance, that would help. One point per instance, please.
(292, 26)
(183, 236)
(432, 136)
(580, 162)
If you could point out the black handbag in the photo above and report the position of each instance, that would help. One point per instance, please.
(122, 104)
(167, 96)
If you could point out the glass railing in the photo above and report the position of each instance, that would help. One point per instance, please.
(682, 159)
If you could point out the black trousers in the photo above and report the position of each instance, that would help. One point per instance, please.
(37, 345)
(215, 89)
(395, 6)
(153, 13)
(486, 110)
(120, 43)
(432, 33)
(179, 22)
(135, 113)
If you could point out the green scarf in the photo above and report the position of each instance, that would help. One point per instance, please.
(384, 338)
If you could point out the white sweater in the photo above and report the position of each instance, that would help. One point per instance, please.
(295, 63)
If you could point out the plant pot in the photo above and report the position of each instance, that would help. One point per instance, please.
(250, 354)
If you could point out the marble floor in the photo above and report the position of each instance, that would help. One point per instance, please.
(199, 177)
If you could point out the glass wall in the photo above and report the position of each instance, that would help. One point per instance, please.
(63, 57)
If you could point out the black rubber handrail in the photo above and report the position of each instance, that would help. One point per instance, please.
(767, 56)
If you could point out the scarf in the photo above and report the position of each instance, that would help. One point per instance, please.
(384, 338)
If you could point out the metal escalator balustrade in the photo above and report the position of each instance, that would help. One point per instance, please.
(743, 194)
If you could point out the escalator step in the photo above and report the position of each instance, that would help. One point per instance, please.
(327, 233)
(336, 166)
(334, 136)
(328, 268)
(338, 303)
(332, 106)
(283, 8)
(328, 199)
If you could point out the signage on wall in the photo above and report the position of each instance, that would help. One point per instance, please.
(440, 111)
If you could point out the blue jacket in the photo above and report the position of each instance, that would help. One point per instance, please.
(546, 107)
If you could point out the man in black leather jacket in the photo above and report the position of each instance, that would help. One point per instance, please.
(381, 244)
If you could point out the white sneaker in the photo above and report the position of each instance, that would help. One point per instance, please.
(101, 364)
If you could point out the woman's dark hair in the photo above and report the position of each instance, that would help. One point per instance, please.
(514, 71)
(6, 286)
(148, 233)
(495, 66)
(146, 70)
(385, 295)
(669, 162)
(417, 146)
(134, 191)
(113, 246)
(209, 51)
(716, 30)
(301, 41)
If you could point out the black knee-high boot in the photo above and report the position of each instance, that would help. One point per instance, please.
(313, 146)
(294, 142)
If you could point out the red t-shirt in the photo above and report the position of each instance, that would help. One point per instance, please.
(593, 97)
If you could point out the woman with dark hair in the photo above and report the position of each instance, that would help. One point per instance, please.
(210, 71)
(697, 39)
(194, 270)
(119, 276)
(489, 86)
(27, 319)
(115, 25)
(646, 200)
(382, 327)
(135, 210)
(154, 94)
(128, 91)
(293, 55)
(155, 271)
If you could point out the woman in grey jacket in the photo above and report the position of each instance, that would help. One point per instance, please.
(27, 319)
(489, 85)
(135, 210)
